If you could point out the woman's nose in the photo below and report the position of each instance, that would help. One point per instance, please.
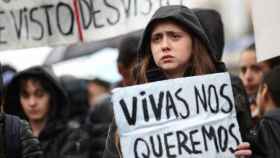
(32, 101)
(165, 45)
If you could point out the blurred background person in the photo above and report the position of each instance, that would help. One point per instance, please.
(76, 90)
(36, 96)
(251, 73)
(97, 89)
(99, 116)
(127, 58)
(264, 139)
(16, 138)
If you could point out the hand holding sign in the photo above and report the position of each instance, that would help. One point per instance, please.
(188, 117)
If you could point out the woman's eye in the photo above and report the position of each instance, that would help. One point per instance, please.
(175, 36)
(40, 94)
(155, 39)
(24, 95)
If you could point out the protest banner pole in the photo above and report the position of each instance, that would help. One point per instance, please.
(78, 19)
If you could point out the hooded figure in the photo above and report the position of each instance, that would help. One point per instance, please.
(206, 25)
(265, 138)
(56, 140)
(148, 70)
(186, 18)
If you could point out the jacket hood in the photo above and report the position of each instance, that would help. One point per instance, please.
(12, 99)
(186, 18)
(212, 23)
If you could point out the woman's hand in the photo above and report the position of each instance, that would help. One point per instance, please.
(243, 150)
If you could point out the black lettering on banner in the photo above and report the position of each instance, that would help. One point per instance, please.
(48, 21)
(26, 22)
(201, 99)
(2, 28)
(168, 147)
(94, 14)
(182, 139)
(18, 25)
(131, 119)
(145, 106)
(36, 21)
(170, 105)
(127, 7)
(149, 8)
(184, 102)
(116, 10)
(194, 143)
(227, 98)
(88, 7)
(157, 108)
(231, 128)
(223, 138)
(143, 154)
(209, 135)
(159, 151)
(59, 7)
(212, 89)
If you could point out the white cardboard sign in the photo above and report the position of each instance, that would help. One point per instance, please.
(188, 117)
(266, 20)
(33, 23)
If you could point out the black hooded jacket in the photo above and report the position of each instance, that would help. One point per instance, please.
(56, 139)
(265, 139)
(196, 21)
(185, 17)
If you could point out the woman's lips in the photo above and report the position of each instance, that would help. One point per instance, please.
(167, 58)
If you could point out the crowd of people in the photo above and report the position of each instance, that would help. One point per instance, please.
(51, 117)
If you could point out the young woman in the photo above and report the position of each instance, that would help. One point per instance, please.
(173, 45)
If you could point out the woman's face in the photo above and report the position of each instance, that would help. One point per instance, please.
(171, 48)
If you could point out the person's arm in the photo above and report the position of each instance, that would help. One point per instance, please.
(30, 145)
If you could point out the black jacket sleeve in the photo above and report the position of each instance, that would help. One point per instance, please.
(111, 150)
(30, 145)
(265, 139)
(242, 107)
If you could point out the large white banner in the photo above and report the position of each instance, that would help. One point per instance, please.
(266, 19)
(190, 117)
(32, 23)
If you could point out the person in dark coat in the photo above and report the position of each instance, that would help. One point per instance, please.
(75, 89)
(265, 138)
(174, 31)
(97, 125)
(35, 95)
(16, 139)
